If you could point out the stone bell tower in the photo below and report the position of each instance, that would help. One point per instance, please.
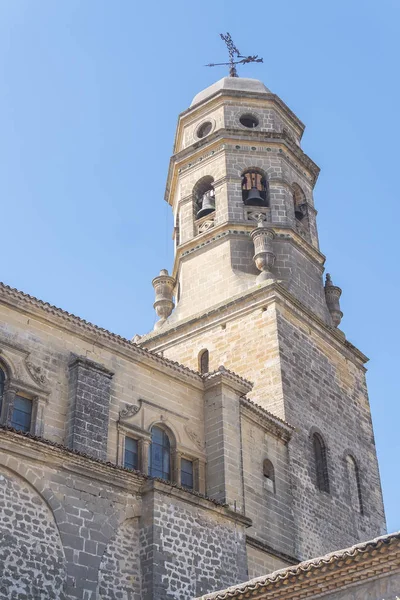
(235, 151)
(248, 287)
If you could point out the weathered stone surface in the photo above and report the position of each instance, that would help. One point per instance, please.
(120, 571)
(32, 561)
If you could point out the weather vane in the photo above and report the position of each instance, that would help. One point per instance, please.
(234, 53)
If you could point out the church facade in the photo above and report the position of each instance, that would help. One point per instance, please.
(233, 440)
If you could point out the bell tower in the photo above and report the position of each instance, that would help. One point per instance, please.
(249, 292)
(238, 164)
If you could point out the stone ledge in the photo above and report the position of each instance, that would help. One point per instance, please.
(263, 417)
(261, 296)
(157, 485)
(251, 541)
(52, 454)
(92, 365)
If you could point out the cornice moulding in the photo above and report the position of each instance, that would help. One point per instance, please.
(56, 456)
(261, 297)
(223, 140)
(47, 313)
(215, 235)
(267, 420)
(223, 376)
(252, 541)
(219, 97)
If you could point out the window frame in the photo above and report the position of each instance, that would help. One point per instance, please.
(193, 473)
(360, 504)
(166, 450)
(204, 357)
(130, 437)
(143, 437)
(14, 424)
(320, 456)
(269, 465)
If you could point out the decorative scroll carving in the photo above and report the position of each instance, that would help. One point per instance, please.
(206, 225)
(130, 410)
(194, 437)
(36, 373)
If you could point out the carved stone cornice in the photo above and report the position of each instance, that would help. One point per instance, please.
(267, 420)
(225, 376)
(227, 139)
(257, 298)
(243, 228)
(43, 311)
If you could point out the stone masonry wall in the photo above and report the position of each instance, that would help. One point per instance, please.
(50, 346)
(270, 509)
(120, 575)
(32, 561)
(72, 528)
(326, 392)
(194, 552)
(87, 427)
(261, 562)
(224, 478)
(302, 377)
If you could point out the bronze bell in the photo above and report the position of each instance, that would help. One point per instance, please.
(207, 204)
(300, 211)
(254, 198)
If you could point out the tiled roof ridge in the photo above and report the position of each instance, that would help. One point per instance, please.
(95, 328)
(106, 463)
(257, 408)
(306, 566)
(223, 370)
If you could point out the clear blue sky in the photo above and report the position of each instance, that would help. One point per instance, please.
(90, 93)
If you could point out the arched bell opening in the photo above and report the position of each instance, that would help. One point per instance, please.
(204, 197)
(300, 210)
(254, 188)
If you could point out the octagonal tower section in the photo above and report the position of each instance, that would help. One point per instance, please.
(238, 164)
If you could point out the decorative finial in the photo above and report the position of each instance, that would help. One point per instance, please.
(164, 304)
(332, 295)
(234, 52)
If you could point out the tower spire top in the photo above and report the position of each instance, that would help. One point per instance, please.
(234, 53)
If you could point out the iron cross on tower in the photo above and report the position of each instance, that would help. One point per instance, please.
(234, 53)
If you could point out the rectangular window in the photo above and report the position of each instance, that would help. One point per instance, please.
(187, 473)
(22, 414)
(131, 454)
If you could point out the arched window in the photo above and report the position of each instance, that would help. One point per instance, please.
(160, 454)
(2, 382)
(254, 188)
(321, 464)
(353, 475)
(204, 359)
(269, 475)
(204, 197)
